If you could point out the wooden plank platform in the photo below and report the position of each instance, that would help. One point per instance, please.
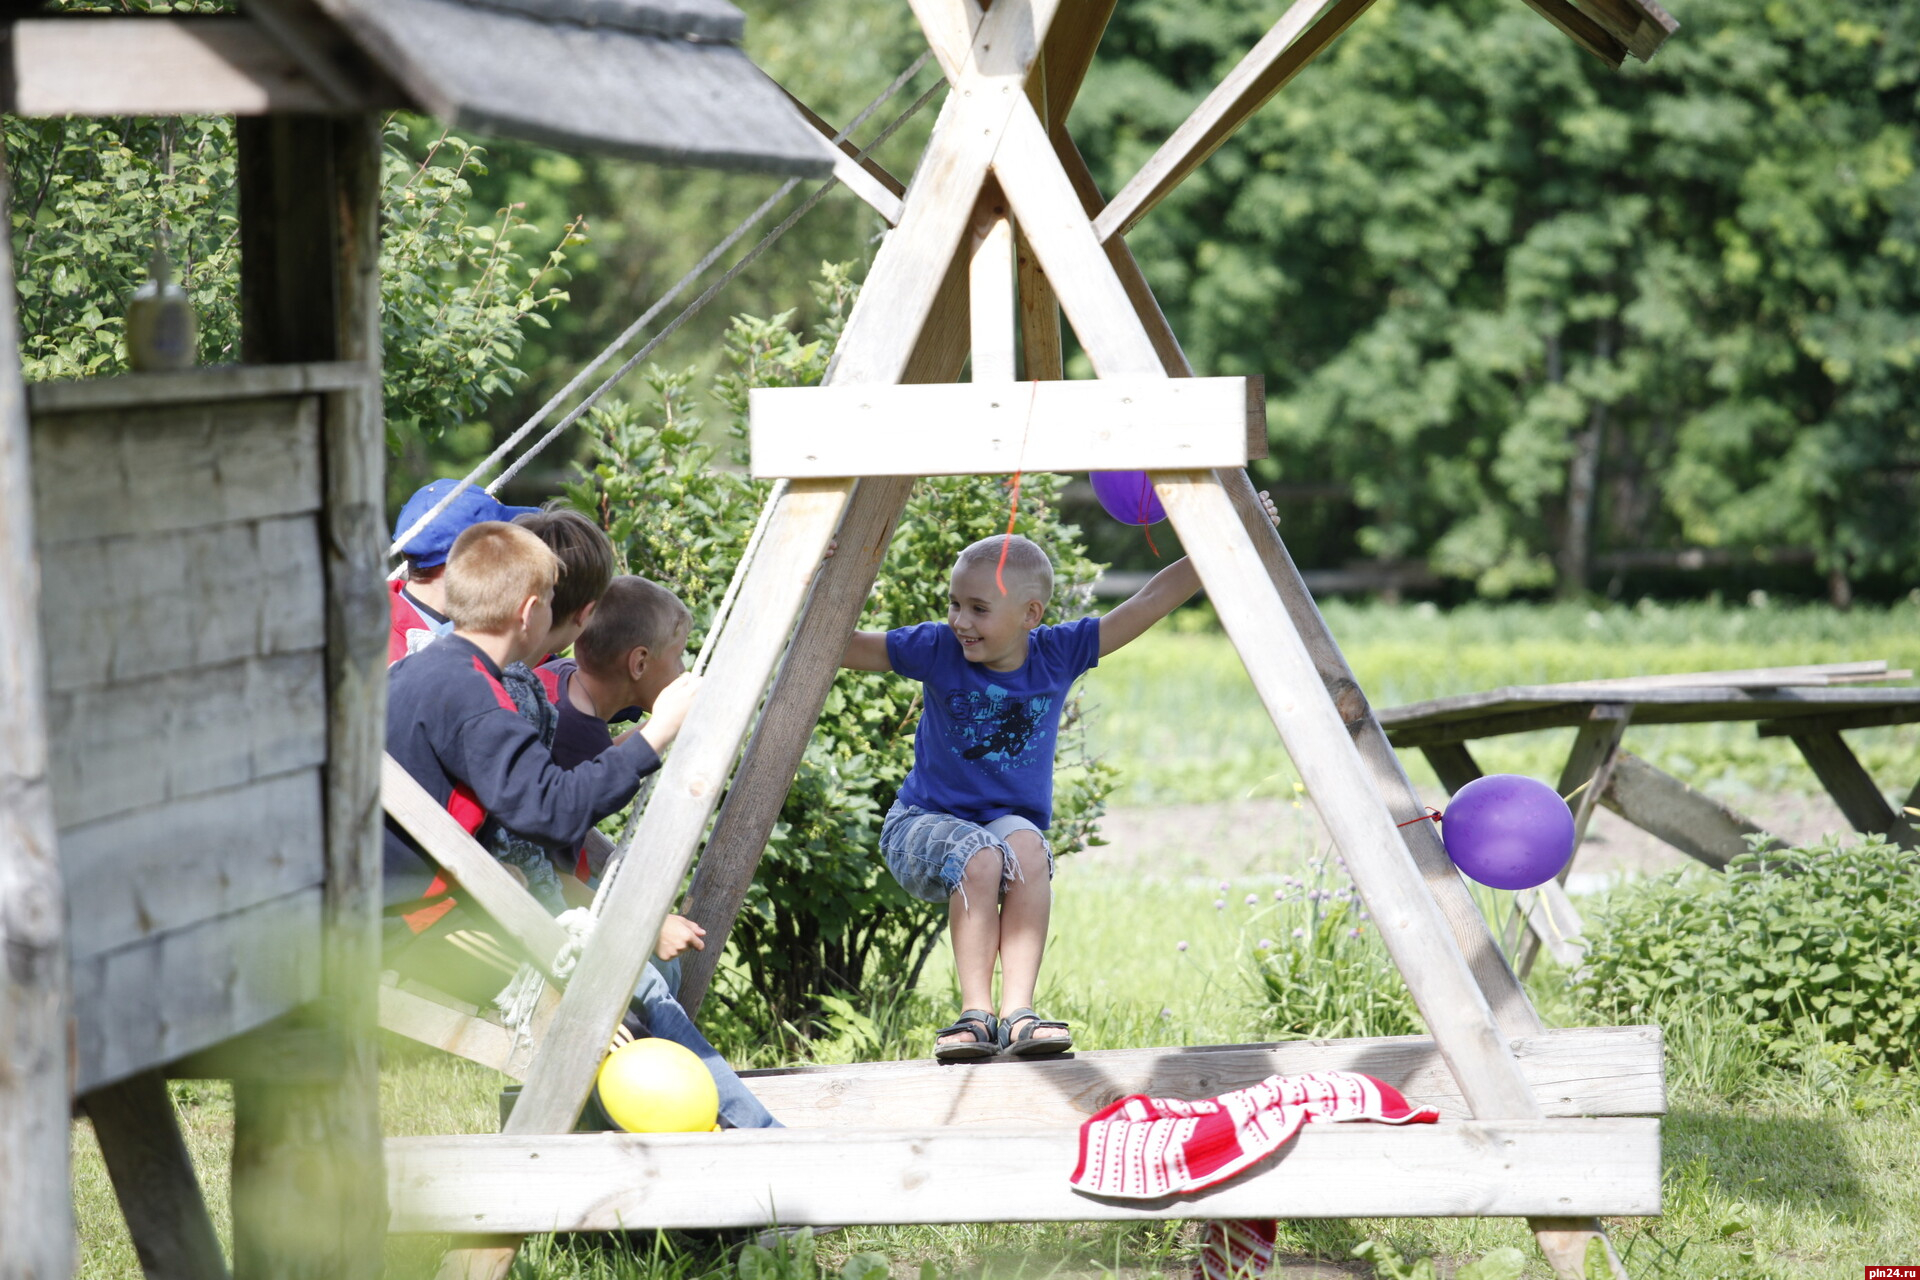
(494, 1184)
(1590, 1071)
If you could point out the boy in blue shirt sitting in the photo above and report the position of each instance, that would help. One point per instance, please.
(969, 826)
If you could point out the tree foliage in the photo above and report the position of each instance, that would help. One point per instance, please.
(823, 913)
(1527, 307)
(457, 295)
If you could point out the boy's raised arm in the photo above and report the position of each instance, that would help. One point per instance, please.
(1166, 591)
(867, 651)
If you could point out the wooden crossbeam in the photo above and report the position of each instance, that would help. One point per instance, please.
(1552, 920)
(1641, 25)
(1303, 31)
(753, 1177)
(997, 428)
(862, 175)
(479, 875)
(1582, 1071)
(1664, 807)
(158, 66)
(1582, 30)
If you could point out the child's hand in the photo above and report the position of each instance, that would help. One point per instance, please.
(1273, 512)
(669, 710)
(677, 933)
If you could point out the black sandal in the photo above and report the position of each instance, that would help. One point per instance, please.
(1024, 1044)
(977, 1023)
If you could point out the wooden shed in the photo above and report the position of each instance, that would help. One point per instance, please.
(192, 616)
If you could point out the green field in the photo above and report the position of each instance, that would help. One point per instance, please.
(1809, 1171)
(1176, 712)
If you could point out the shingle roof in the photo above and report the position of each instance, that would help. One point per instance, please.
(660, 80)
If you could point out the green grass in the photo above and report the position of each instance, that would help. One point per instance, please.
(1768, 1173)
(1176, 712)
(1797, 1173)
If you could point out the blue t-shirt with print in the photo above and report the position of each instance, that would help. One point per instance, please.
(985, 744)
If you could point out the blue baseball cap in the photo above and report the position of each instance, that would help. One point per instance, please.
(474, 505)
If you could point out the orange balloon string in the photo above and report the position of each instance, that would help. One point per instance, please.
(1006, 543)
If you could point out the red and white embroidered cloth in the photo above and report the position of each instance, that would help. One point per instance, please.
(1142, 1148)
(1241, 1249)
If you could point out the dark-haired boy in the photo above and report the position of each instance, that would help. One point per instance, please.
(627, 658)
(586, 567)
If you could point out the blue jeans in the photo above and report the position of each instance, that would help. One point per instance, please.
(928, 852)
(666, 1020)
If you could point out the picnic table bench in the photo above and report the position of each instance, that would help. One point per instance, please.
(1811, 705)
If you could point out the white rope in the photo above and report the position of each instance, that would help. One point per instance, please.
(646, 318)
(774, 495)
(640, 798)
(520, 998)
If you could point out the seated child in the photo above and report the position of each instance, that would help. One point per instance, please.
(586, 566)
(631, 651)
(419, 602)
(620, 619)
(968, 828)
(452, 724)
(625, 661)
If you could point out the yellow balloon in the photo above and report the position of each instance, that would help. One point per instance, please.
(657, 1086)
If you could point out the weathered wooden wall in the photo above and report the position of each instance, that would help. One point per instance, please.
(179, 528)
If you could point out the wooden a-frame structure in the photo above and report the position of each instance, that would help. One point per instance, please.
(1000, 165)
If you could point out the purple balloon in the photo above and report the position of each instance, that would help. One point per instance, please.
(1508, 832)
(1128, 496)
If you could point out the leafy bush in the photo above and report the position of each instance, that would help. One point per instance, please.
(1814, 943)
(455, 296)
(89, 196)
(1327, 974)
(823, 913)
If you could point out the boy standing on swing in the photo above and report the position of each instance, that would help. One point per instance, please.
(969, 827)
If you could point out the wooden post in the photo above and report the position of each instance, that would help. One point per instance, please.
(35, 1062)
(146, 1156)
(990, 288)
(1070, 47)
(1551, 918)
(834, 601)
(1663, 806)
(1851, 786)
(308, 1195)
(1452, 763)
(1508, 999)
(1306, 28)
(1496, 1003)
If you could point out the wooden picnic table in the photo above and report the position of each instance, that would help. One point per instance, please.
(1810, 705)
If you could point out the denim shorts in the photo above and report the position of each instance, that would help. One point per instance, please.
(928, 852)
